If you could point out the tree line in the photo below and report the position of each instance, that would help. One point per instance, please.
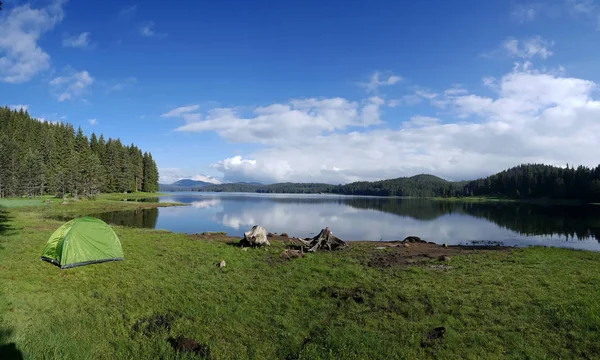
(523, 181)
(43, 158)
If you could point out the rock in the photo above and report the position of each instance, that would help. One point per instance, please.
(270, 235)
(284, 235)
(413, 239)
(444, 258)
(441, 267)
(445, 245)
(380, 248)
(221, 264)
(255, 236)
(291, 254)
(406, 245)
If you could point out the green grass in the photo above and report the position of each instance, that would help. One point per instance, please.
(136, 195)
(13, 203)
(531, 303)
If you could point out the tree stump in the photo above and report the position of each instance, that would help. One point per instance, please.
(324, 241)
(255, 236)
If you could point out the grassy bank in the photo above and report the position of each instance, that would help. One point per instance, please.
(519, 303)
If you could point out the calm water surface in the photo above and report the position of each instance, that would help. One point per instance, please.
(368, 218)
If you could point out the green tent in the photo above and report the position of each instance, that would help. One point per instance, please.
(82, 241)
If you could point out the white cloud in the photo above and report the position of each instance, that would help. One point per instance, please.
(71, 85)
(81, 41)
(375, 82)
(525, 13)
(92, 121)
(419, 120)
(147, 30)
(529, 48)
(406, 100)
(298, 119)
(21, 58)
(180, 111)
(122, 84)
(18, 107)
(577, 7)
(128, 11)
(171, 175)
(535, 116)
(208, 179)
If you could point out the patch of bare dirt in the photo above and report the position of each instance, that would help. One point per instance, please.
(152, 324)
(397, 254)
(183, 344)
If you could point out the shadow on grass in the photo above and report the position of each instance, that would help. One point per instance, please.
(8, 351)
(4, 222)
(5, 227)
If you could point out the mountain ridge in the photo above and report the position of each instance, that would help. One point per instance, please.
(522, 181)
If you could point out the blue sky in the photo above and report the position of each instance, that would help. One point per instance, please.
(314, 90)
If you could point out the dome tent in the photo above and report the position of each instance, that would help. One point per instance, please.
(82, 241)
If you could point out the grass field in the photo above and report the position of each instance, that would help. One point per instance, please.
(536, 303)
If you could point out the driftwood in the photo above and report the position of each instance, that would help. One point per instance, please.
(324, 241)
(255, 236)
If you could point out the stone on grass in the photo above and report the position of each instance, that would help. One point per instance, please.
(221, 264)
(289, 254)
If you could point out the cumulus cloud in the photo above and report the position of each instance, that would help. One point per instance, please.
(92, 121)
(21, 57)
(71, 85)
(295, 120)
(534, 116)
(376, 81)
(81, 41)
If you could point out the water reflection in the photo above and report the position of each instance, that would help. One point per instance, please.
(368, 218)
(139, 218)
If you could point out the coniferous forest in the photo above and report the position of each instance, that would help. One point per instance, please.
(520, 182)
(42, 158)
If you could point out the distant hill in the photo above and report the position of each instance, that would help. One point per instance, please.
(523, 181)
(183, 185)
(197, 185)
(190, 183)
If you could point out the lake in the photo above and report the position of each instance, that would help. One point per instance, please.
(374, 218)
